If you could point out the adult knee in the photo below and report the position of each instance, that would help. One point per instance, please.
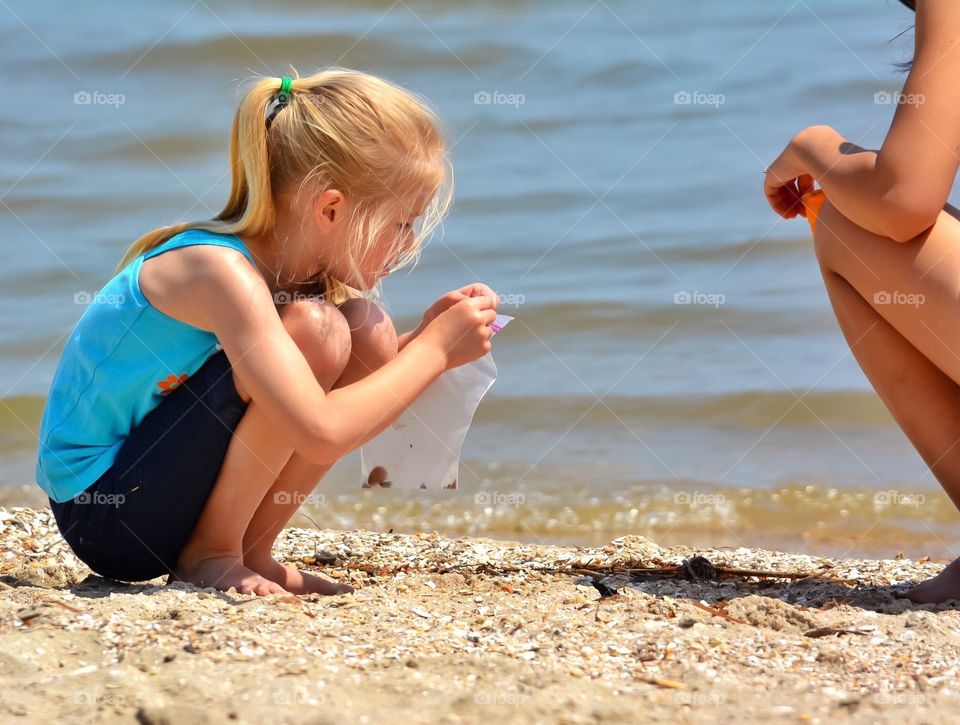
(825, 238)
(373, 338)
(321, 332)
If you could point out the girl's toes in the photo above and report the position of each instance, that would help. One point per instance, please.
(250, 588)
(265, 587)
(275, 588)
(261, 587)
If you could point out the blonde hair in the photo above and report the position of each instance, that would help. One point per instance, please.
(341, 129)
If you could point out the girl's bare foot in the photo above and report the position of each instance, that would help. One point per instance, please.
(293, 580)
(944, 586)
(224, 572)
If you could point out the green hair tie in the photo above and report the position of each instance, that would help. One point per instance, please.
(281, 99)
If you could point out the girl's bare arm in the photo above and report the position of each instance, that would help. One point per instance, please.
(233, 301)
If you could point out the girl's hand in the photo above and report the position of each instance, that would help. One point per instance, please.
(786, 181)
(443, 304)
(477, 289)
(462, 332)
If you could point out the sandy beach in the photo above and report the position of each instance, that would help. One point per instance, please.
(471, 630)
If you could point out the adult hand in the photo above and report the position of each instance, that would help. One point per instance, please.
(786, 180)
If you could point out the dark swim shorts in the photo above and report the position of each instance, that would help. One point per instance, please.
(132, 523)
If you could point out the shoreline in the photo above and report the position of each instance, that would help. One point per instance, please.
(471, 629)
(809, 518)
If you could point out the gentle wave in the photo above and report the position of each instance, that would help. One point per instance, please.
(626, 320)
(254, 50)
(749, 410)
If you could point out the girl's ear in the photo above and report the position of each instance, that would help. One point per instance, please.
(329, 207)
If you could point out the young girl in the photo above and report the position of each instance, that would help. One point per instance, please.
(889, 249)
(228, 364)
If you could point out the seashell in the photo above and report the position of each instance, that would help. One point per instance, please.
(378, 478)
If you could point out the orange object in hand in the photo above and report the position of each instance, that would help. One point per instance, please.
(812, 201)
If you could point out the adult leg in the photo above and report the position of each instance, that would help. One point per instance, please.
(898, 306)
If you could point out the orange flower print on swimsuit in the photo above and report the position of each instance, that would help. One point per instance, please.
(171, 383)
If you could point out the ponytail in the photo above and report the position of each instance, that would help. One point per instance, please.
(338, 129)
(249, 208)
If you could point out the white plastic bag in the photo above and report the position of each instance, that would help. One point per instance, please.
(421, 449)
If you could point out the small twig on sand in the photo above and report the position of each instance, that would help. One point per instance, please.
(51, 600)
(717, 613)
(827, 631)
(664, 682)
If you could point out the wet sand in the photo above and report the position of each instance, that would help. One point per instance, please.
(471, 630)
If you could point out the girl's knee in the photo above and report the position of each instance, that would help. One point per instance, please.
(373, 336)
(323, 335)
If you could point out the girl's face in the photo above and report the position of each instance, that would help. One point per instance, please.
(397, 238)
(380, 256)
